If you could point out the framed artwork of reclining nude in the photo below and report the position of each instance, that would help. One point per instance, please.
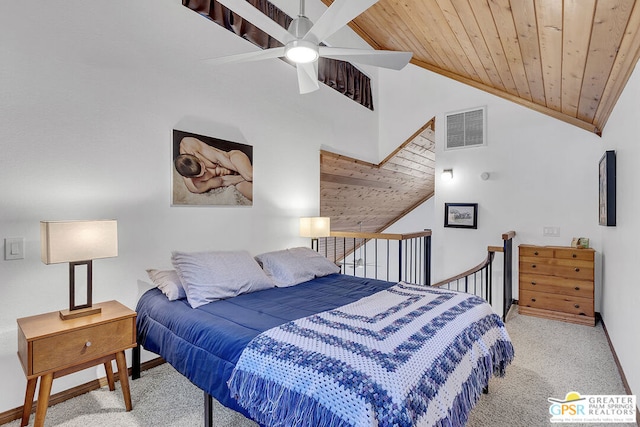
(209, 171)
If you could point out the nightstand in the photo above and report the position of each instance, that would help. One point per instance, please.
(49, 347)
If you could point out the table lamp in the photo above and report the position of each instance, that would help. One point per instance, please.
(315, 227)
(78, 243)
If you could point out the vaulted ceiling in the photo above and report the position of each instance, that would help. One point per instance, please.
(569, 59)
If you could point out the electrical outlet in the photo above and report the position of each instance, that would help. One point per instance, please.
(551, 231)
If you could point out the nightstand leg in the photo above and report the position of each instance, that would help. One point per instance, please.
(109, 370)
(123, 374)
(43, 399)
(28, 401)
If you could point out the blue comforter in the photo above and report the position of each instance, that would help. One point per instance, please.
(204, 344)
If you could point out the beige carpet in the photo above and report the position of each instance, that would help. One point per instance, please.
(552, 359)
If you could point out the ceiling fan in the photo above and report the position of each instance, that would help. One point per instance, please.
(302, 40)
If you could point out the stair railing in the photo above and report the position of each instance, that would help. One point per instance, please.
(386, 256)
(479, 279)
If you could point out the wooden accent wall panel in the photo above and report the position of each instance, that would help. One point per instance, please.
(367, 197)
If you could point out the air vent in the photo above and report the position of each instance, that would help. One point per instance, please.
(466, 129)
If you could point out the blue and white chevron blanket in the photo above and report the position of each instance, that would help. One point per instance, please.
(405, 356)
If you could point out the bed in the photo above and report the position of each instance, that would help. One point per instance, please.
(238, 349)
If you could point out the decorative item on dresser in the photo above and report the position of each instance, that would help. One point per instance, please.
(50, 347)
(557, 282)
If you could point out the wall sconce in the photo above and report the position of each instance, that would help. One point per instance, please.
(78, 243)
(315, 227)
(447, 174)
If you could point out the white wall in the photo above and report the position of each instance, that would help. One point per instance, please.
(621, 294)
(89, 95)
(543, 173)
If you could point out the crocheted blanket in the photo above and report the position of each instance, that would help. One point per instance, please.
(406, 356)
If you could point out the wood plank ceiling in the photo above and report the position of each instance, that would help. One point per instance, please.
(569, 59)
(367, 197)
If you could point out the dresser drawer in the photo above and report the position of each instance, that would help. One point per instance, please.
(80, 345)
(569, 268)
(555, 302)
(581, 254)
(556, 285)
(536, 251)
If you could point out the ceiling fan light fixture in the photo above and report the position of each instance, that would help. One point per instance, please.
(301, 51)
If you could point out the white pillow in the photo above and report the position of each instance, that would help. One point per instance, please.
(211, 276)
(284, 268)
(168, 282)
(296, 265)
(315, 262)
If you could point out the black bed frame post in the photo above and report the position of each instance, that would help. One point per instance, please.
(135, 362)
(208, 410)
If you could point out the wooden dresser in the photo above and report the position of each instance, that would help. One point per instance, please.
(557, 282)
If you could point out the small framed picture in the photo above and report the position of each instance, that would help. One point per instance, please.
(461, 215)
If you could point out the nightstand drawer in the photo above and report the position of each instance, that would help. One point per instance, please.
(79, 345)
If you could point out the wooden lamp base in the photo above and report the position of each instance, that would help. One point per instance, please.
(74, 314)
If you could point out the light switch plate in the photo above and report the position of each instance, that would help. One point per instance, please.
(551, 231)
(14, 248)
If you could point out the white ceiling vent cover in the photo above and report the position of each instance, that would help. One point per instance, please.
(466, 128)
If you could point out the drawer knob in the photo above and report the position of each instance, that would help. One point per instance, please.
(577, 288)
(535, 253)
(574, 255)
(533, 283)
(576, 305)
(533, 299)
(577, 269)
(533, 266)
(87, 344)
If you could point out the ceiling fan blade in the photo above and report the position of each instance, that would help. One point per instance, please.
(257, 18)
(339, 14)
(275, 52)
(379, 58)
(308, 77)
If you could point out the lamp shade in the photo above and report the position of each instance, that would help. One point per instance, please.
(71, 241)
(314, 227)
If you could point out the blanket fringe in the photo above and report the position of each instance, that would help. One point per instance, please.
(279, 406)
(500, 355)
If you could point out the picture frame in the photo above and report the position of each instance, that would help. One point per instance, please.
(461, 215)
(209, 171)
(607, 189)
